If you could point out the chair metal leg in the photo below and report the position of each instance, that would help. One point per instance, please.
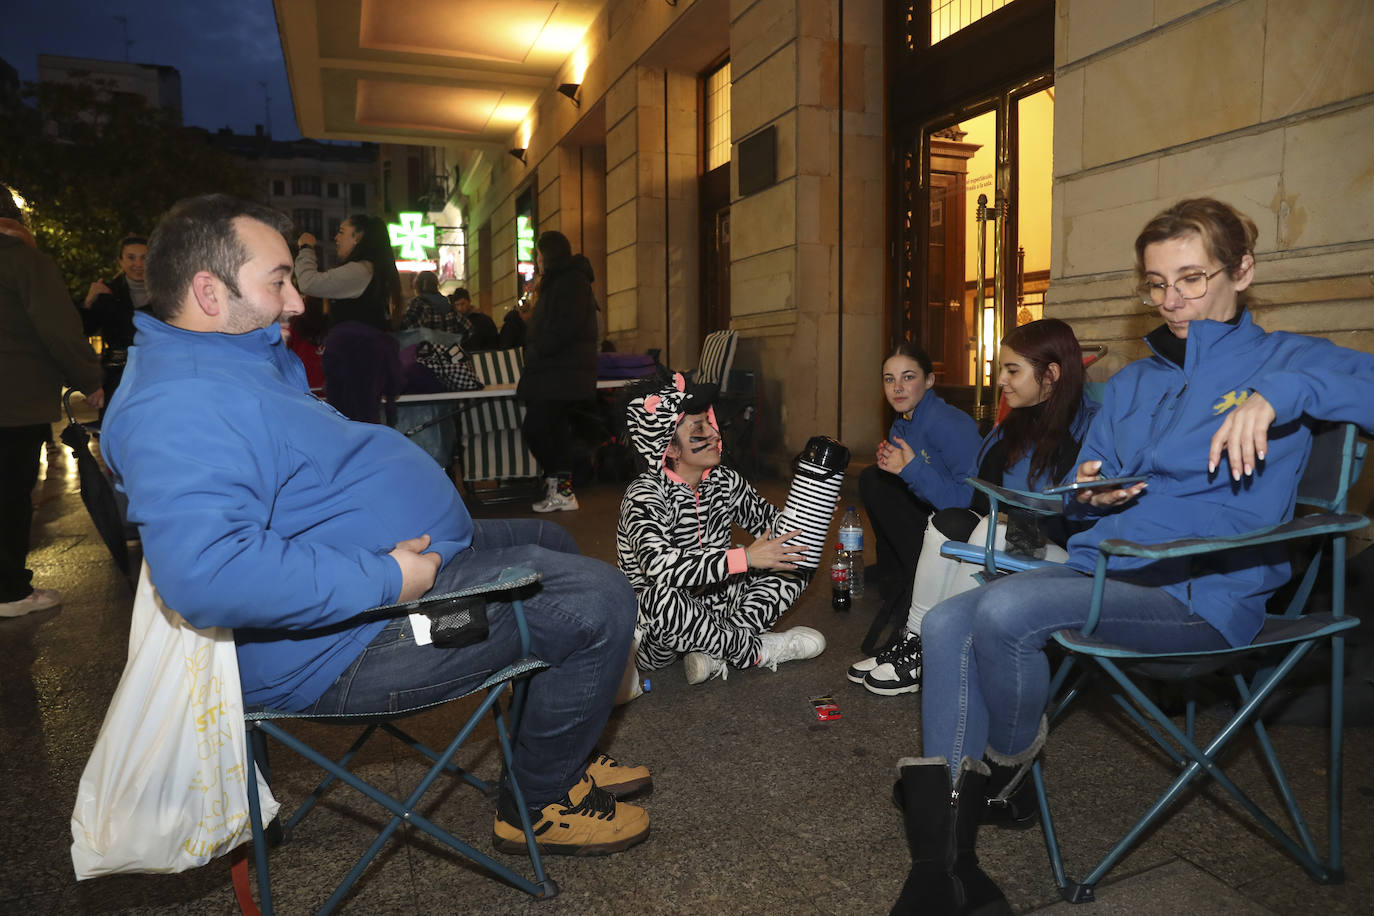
(255, 819)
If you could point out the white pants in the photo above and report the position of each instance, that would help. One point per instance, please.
(938, 578)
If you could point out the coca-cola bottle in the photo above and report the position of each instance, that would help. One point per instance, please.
(841, 571)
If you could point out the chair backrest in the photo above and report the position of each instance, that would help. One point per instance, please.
(717, 356)
(1333, 466)
(496, 367)
(493, 446)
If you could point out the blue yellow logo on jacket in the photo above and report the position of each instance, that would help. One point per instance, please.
(1229, 400)
(925, 455)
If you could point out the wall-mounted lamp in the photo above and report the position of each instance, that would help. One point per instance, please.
(519, 153)
(570, 90)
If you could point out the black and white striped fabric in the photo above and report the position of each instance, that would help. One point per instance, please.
(493, 446)
(717, 356)
(810, 507)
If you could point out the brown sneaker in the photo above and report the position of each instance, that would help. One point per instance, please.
(588, 821)
(624, 782)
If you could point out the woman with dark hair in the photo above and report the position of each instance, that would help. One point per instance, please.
(922, 466)
(1218, 421)
(365, 287)
(560, 363)
(1041, 380)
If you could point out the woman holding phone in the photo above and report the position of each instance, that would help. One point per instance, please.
(1215, 420)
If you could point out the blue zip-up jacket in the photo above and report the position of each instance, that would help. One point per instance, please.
(1017, 476)
(945, 440)
(263, 509)
(1158, 420)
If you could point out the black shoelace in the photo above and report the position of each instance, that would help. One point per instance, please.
(596, 803)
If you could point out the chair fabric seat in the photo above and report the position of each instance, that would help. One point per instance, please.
(493, 446)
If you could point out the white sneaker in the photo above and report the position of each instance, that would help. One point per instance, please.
(40, 600)
(701, 667)
(789, 646)
(557, 502)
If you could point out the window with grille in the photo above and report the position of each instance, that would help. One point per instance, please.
(716, 117)
(305, 184)
(949, 16)
(307, 220)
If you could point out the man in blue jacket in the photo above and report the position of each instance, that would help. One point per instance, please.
(263, 509)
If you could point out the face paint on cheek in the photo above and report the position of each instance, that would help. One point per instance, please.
(706, 442)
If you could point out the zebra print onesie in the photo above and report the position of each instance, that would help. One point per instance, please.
(695, 591)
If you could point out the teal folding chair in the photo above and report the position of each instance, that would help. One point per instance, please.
(262, 724)
(1255, 670)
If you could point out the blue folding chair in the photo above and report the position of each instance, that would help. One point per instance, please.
(261, 724)
(1255, 670)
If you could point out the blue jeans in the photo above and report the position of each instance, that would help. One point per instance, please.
(986, 678)
(581, 621)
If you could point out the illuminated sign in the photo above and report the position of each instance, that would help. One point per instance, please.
(410, 236)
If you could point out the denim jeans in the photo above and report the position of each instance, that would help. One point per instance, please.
(581, 620)
(986, 678)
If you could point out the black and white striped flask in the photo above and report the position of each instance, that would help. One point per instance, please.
(811, 500)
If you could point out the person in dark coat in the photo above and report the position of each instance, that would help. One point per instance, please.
(108, 311)
(484, 335)
(560, 363)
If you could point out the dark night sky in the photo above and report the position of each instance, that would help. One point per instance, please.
(223, 48)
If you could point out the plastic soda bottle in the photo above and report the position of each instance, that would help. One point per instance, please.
(840, 567)
(852, 541)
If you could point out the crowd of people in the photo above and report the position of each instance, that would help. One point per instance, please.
(271, 517)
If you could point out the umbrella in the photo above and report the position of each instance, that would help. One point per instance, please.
(97, 491)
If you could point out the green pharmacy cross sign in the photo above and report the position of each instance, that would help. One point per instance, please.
(412, 238)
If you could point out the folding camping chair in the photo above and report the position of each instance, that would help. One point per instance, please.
(493, 448)
(1255, 670)
(260, 724)
(737, 404)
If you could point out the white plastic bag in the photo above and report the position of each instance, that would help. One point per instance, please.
(165, 788)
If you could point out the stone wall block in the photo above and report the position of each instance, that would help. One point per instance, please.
(1225, 162)
(763, 283)
(621, 227)
(760, 31)
(622, 275)
(1092, 25)
(622, 183)
(764, 221)
(1316, 53)
(764, 93)
(1068, 122)
(815, 141)
(1328, 179)
(1107, 190)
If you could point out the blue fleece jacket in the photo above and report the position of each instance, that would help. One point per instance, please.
(1158, 419)
(263, 509)
(945, 440)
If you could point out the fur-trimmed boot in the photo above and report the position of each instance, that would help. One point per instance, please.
(942, 827)
(1012, 802)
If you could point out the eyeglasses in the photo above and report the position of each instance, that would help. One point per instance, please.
(1193, 286)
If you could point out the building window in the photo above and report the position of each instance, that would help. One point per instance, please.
(332, 189)
(949, 16)
(305, 184)
(357, 194)
(307, 220)
(716, 117)
(278, 188)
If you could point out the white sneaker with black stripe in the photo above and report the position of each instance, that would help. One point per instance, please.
(900, 675)
(902, 647)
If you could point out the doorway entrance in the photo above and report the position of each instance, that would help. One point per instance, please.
(975, 172)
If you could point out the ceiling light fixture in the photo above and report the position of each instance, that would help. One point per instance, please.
(519, 153)
(570, 90)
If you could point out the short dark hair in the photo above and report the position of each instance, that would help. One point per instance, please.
(197, 234)
(129, 240)
(459, 293)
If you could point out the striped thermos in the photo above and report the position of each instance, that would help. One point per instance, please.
(811, 500)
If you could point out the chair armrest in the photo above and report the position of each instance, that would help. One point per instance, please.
(1004, 562)
(1021, 499)
(1307, 526)
(510, 579)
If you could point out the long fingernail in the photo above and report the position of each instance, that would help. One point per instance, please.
(1260, 455)
(1249, 470)
(1211, 468)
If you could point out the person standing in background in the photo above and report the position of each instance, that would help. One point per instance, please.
(41, 348)
(108, 310)
(560, 363)
(484, 335)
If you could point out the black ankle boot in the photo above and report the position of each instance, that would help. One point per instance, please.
(923, 795)
(1012, 802)
(942, 829)
(978, 894)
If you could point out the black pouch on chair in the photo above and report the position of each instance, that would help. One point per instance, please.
(458, 622)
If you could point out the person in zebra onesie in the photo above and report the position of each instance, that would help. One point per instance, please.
(698, 596)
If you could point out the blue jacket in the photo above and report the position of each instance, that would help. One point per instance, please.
(263, 509)
(945, 440)
(1017, 476)
(1158, 419)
